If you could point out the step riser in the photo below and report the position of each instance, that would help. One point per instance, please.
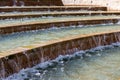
(54, 15)
(20, 28)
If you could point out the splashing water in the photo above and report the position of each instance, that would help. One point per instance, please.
(14, 2)
(22, 3)
(101, 63)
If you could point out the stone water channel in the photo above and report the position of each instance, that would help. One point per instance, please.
(28, 38)
(52, 19)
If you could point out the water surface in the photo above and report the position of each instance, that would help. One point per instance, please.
(15, 40)
(9, 22)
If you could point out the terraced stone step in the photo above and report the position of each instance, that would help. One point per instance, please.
(39, 23)
(15, 40)
(55, 14)
(52, 8)
(25, 57)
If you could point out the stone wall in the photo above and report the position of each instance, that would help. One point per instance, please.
(30, 3)
(111, 4)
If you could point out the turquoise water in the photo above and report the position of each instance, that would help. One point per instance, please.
(103, 64)
(15, 40)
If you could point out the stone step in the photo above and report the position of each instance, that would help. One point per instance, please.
(22, 39)
(55, 14)
(59, 22)
(52, 8)
(25, 57)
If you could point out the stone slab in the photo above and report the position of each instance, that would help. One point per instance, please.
(56, 14)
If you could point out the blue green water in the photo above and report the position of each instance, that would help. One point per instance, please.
(102, 64)
(22, 39)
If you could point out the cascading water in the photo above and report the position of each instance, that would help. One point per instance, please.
(49, 52)
(23, 39)
(22, 3)
(27, 49)
(14, 2)
(97, 63)
(2, 69)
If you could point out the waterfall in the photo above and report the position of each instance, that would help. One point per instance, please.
(14, 2)
(22, 3)
(2, 69)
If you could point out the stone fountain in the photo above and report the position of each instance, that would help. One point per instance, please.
(14, 60)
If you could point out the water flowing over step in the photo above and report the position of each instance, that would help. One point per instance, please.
(44, 23)
(97, 63)
(18, 15)
(28, 38)
(30, 44)
(37, 53)
(52, 8)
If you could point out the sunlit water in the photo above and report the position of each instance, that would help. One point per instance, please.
(100, 64)
(8, 22)
(15, 40)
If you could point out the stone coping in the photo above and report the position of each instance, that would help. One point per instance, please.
(48, 43)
